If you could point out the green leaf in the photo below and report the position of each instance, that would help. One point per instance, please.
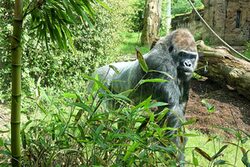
(23, 138)
(70, 95)
(78, 115)
(144, 103)
(141, 60)
(162, 72)
(245, 160)
(1, 142)
(81, 129)
(118, 97)
(114, 68)
(158, 104)
(99, 129)
(219, 152)
(210, 107)
(130, 150)
(4, 131)
(127, 92)
(168, 149)
(156, 80)
(189, 122)
(220, 162)
(203, 153)
(104, 5)
(100, 84)
(195, 161)
(83, 106)
(162, 114)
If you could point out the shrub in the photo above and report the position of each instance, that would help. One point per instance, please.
(95, 46)
(136, 18)
(74, 130)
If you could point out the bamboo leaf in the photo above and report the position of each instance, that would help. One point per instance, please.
(101, 85)
(114, 68)
(245, 160)
(141, 60)
(1, 142)
(162, 72)
(104, 5)
(219, 152)
(78, 115)
(210, 107)
(156, 80)
(220, 162)
(203, 153)
(70, 95)
(195, 161)
(162, 114)
(157, 104)
(83, 106)
(130, 150)
(189, 122)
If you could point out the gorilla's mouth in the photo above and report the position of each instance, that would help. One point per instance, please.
(186, 70)
(188, 73)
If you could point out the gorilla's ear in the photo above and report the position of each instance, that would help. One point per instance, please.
(170, 49)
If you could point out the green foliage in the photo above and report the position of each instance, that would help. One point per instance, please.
(78, 129)
(215, 151)
(210, 107)
(136, 17)
(74, 130)
(180, 6)
(49, 65)
(51, 19)
(247, 51)
(5, 32)
(129, 42)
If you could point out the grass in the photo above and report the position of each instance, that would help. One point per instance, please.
(131, 41)
(247, 51)
(211, 145)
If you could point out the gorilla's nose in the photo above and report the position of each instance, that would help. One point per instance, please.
(187, 63)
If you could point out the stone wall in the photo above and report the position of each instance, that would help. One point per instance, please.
(229, 18)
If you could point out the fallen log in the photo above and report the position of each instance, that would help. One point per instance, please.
(225, 69)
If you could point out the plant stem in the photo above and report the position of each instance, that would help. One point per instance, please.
(16, 50)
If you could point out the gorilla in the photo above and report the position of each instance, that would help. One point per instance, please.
(175, 55)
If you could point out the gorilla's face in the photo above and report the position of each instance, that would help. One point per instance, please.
(187, 62)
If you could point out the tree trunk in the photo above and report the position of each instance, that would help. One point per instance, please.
(168, 16)
(225, 69)
(16, 49)
(151, 23)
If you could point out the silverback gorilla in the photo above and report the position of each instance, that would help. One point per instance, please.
(175, 54)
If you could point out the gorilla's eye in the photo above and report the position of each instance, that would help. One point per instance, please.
(170, 49)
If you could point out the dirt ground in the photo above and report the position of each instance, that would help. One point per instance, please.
(231, 109)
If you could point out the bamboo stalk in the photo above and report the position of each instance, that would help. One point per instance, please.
(16, 51)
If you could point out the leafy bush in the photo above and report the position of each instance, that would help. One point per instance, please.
(74, 130)
(79, 130)
(95, 46)
(136, 17)
(180, 6)
(5, 33)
